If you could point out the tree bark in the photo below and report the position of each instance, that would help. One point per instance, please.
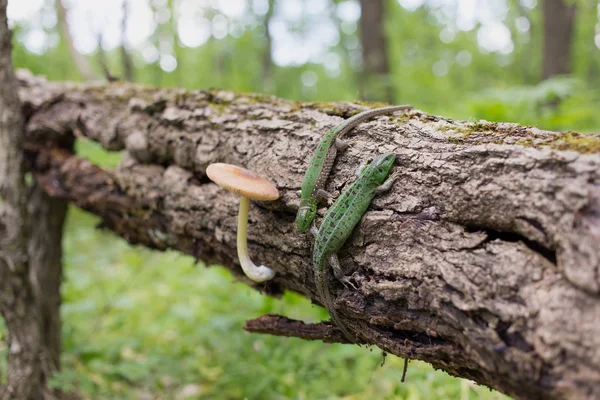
(376, 82)
(16, 298)
(483, 260)
(559, 19)
(46, 220)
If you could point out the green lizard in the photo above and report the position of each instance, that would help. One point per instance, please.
(322, 161)
(340, 220)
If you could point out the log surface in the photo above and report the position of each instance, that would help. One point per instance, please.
(483, 259)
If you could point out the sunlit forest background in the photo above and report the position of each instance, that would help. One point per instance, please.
(145, 325)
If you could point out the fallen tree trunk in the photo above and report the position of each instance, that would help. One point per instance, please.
(483, 260)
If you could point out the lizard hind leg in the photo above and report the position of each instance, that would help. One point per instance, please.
(324, 195)
(341, 145)
(334, 261)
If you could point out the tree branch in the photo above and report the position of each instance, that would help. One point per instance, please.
(279, 325)
(482, 260)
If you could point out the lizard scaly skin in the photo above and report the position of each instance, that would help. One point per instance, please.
(339, 222)
(322, 161)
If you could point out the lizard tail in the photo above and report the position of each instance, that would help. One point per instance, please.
(328, 300)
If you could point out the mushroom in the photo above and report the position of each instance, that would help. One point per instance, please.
(249, 185)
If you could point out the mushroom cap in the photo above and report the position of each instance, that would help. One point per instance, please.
(242, 181)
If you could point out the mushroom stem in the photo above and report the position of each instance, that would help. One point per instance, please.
(256, 273)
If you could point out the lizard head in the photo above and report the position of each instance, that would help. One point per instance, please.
(380, 167)
(306, 214)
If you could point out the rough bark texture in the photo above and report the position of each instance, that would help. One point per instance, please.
(375, 83)
(16, 298)
(46, 220)
(559, 19)
(483, 260)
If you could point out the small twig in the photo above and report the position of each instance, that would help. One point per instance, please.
(103, 62)
(278, 325)
(406, 343)
(383, 357)
(404, 370)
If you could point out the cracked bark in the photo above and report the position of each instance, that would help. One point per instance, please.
(483, 260)
(16, 298)
(46, 219)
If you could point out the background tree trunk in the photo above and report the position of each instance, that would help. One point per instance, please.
(16, 298)
(46, 220)
(126, 60)
(80, 61)
(376, 84)
(559, 19)
(483, 259)
(266, 71)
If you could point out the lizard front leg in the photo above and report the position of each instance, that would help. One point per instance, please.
(364, 164)
(387, 185)
(314, 231)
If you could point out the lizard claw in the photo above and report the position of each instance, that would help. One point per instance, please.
(347, 282)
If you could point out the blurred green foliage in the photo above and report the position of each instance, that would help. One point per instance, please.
(559, 103)
(145, 325)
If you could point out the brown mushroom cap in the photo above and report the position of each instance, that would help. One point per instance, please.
(242, 181)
